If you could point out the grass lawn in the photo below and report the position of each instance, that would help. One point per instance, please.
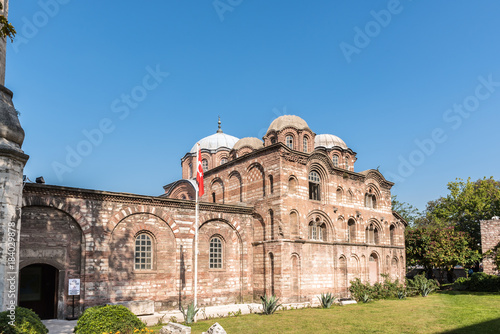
(443, 312)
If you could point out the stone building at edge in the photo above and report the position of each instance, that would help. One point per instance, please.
(287, 215)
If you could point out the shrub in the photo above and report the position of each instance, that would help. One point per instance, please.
(365, 292)
(190, 313)
(478, 282)
(26, 322)
(269, 305)
(461, 284)
(109, 318)
(326, 300)
(359, 290)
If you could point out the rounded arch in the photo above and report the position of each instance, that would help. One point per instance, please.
(225, 221)
(373, 232)
(256, 178)
(373, 267)
(61, 205)
(235, 186)
(330, 228)
(342, 275)
(292, 184)
(295, 276)
(294, 225)
(218, 194)
(291, 140)
(142, 209)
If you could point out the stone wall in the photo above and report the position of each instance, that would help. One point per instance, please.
(90, 235)
(490, 237)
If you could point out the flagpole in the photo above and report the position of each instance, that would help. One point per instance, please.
(196, 238)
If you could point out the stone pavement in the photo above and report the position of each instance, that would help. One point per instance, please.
(60, 326)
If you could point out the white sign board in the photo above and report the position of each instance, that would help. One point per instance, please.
(74, 287)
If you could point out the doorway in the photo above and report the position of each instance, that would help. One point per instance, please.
(38, 289)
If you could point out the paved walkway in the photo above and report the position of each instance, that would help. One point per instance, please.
(66, 326)
(60, 326)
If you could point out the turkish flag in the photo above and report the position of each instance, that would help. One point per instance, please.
(199, 175)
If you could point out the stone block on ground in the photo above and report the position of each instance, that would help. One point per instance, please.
(174, 328)
(215, 329)
(142, 307)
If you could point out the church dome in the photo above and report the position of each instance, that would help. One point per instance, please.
(288, 121)
(216, 141)
(252, 142)
(329, 141)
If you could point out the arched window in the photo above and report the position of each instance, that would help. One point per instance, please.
(351, 230)
(292, 185)
(370, 200)
(339, 195)
(204, 164)
(305, 144)
(213, 197)
(350, 197)
(271, 223)
(372, 235)
(346, 163)
(314, 186)
(391, 234)
(289, 142)
(294, 224)
(271, 184)
(317, 230)
(215, 254)
(190, 171)
(313, 231)
(223, 161)
(335, 160)
(143, 252)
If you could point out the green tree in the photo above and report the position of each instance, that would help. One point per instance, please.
(407, 211)
(6, 30)
(439, 247)
(467, 204)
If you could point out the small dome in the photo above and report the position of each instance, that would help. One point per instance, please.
(329, 141)
(254, 143)
(215, 142)
(288, 121)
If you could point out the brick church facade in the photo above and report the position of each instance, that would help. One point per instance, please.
(286, 215)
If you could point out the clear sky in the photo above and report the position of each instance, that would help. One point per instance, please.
(112, 94)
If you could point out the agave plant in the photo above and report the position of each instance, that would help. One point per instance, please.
(365, 298)
(326, 300)
(426, 289)
(402, 294)
(269, 304)
(190, 313)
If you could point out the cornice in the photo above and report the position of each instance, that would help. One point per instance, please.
(127, 198)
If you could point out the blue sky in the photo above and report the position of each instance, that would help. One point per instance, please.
(412, 86)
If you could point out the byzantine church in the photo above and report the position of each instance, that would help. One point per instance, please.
(286, 215)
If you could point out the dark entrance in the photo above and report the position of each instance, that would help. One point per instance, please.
(38, 289)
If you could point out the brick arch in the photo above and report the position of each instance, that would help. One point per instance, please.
(63, 206)
(207, 218)
(133, 210)
(331, 231)
(255, 173)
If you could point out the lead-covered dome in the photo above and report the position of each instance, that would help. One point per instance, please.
(288, 121)
(329, 141)
(216, 141)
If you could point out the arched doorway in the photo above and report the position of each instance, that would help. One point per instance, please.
(38, 289)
